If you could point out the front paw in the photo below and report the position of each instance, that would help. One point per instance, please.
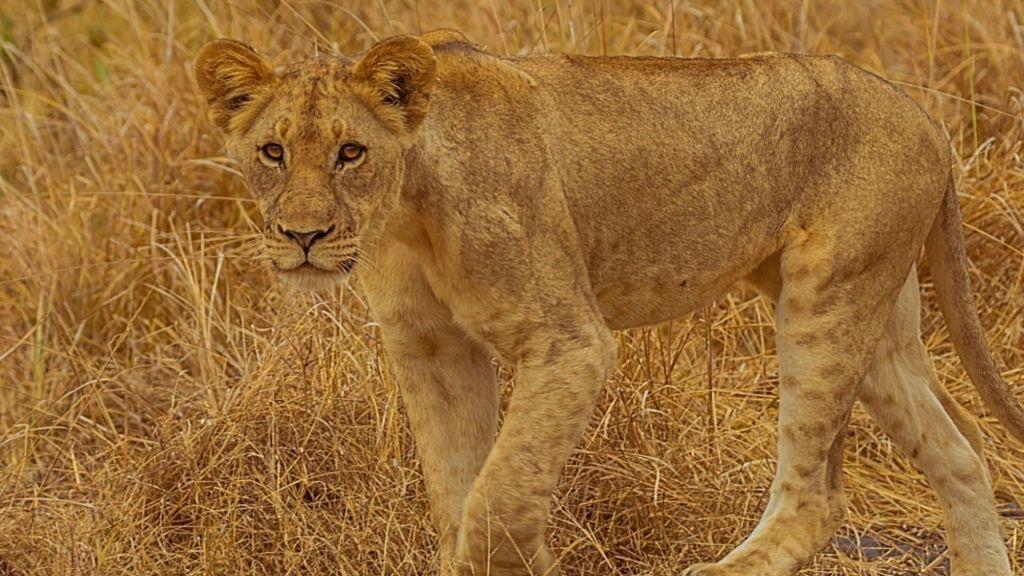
(497, 545)
(542, 563)
(705, 569)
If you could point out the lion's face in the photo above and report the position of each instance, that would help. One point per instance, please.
(321, 145)
(325, 174)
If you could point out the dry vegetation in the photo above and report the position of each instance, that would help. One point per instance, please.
(165, 408)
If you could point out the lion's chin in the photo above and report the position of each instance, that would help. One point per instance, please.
(309, 277)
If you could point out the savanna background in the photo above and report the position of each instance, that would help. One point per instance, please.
(166, 408)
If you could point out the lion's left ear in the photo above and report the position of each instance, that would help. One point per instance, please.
(395, 78)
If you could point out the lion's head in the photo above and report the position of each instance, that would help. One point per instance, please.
(321, 144)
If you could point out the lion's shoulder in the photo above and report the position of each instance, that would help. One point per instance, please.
(462, 62)
(448, 40)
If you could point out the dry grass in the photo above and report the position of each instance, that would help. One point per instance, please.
(166, 409)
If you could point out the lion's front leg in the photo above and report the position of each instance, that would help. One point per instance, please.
(448, 385)
(502, 530)
(451, 400)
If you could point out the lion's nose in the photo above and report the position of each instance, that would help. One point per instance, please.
(305, 239)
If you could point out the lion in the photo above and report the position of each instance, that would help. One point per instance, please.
(521, 209)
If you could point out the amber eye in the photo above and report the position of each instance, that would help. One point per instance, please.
(350, 153)
(273, 151)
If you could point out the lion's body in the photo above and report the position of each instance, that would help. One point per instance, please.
(541, 202)
(683, 175)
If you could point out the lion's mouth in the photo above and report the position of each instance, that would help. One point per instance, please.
(310, 270)
(304, 268)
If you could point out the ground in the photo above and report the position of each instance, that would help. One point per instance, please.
(166, 408)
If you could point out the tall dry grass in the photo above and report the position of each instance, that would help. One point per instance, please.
(166, 409)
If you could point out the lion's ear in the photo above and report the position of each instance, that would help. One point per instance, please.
(230, 75)
(396, 77)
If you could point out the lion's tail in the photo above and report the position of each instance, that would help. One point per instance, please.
(948, 260)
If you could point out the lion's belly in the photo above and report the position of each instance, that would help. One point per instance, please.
(632, 304)
(648, 266)
(634, 292)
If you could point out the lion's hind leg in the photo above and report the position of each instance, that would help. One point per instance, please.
(901, 393)
(832, 308)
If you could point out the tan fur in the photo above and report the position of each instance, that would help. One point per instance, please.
(523, 208)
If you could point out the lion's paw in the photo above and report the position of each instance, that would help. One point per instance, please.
(705, 569)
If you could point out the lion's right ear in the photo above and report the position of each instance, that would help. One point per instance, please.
(231, 75)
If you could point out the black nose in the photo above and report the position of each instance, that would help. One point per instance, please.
(306, 239)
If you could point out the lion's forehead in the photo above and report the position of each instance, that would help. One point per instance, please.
(316, 101)
(332, 66)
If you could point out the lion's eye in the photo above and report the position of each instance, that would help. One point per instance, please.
(350, 153)
(273, 151)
